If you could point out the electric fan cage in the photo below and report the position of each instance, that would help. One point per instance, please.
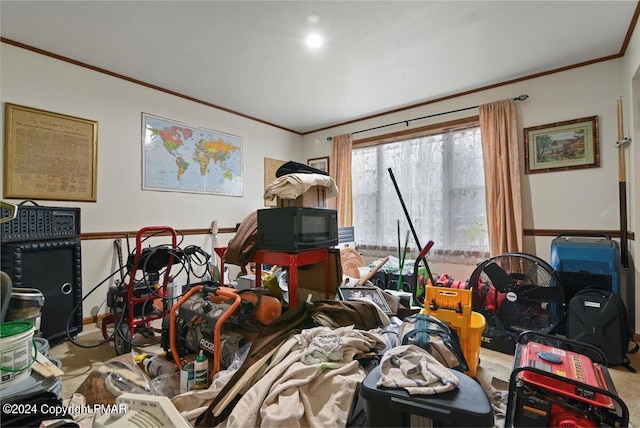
(529, 291)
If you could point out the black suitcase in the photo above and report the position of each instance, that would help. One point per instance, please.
(599, 317)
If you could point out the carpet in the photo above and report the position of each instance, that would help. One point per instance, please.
(91, 351)
(497, 365)
(79, 363)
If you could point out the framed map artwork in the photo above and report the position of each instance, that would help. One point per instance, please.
(182, 158)
(49, 155)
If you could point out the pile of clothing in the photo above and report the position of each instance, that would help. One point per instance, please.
(304, 369)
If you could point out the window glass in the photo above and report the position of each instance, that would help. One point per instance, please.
(441, 180)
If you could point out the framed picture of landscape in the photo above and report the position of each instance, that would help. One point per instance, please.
(561, 146)
(320, 163)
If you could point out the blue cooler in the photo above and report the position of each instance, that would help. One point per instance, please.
(466, 406)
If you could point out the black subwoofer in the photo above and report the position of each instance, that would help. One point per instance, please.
(54, 267)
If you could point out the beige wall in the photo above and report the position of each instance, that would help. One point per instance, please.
(34, 80)
(631, 99)
(577, 199)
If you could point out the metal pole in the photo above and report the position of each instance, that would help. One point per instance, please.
(622, 190)
(413, 231)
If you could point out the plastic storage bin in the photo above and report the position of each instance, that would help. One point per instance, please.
(453, 306)
(466, 406)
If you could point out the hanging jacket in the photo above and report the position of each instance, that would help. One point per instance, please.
(242, 246)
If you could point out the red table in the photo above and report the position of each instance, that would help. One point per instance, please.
(292, 261)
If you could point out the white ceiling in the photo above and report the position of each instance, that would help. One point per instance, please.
(249, 56)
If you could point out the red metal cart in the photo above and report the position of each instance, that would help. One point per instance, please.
(133, 303)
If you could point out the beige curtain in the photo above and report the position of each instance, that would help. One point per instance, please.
(340, 170)
(502, 176)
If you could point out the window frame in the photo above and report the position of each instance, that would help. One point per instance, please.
(424, 131)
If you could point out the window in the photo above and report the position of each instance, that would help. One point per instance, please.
(441, 180)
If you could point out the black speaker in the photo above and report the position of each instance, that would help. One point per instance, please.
(53, 267)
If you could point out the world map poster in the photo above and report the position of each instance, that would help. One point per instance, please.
(181, 158)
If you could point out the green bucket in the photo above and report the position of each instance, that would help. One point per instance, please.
(13, 328)
(17, 351)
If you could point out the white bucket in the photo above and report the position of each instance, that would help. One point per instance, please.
(17, 351)
(26, 305)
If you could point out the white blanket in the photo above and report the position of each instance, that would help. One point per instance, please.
(192, 403)
(415, 370)
(291, 186)
(294, 394)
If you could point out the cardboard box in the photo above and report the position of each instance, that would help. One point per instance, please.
(315, 197)
(303, 295)
(311, 277)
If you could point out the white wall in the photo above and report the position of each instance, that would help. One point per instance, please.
(577, 199)
(37, 81)
(631, 100)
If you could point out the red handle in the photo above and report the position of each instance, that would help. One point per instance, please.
(425, 250)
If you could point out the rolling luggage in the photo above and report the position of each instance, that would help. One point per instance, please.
(598, 317)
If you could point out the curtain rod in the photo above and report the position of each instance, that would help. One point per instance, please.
(519, 98)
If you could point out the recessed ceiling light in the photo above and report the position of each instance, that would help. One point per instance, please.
(314, 40)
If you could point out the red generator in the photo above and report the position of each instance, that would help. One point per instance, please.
(558, 382)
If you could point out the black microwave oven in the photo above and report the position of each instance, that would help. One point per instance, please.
(292, 229)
